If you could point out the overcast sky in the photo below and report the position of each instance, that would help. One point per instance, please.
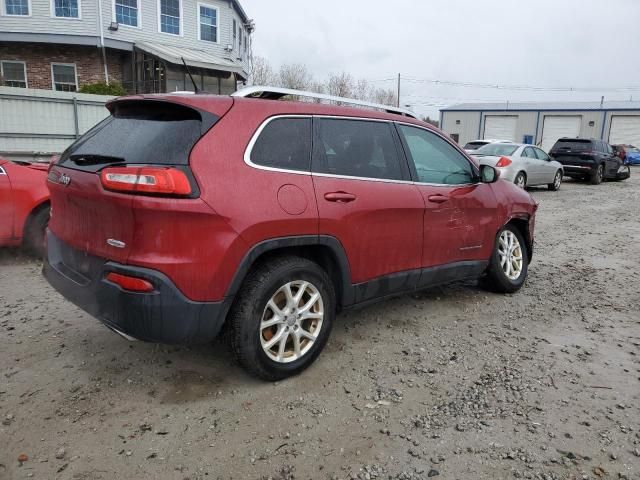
(538, 43)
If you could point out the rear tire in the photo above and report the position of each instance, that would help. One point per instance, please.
(520, 180)
(274, 332)
(557, 182)
(509, 262)
(597, 177)
(34, 231)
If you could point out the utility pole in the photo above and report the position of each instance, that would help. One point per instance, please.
(398, 90)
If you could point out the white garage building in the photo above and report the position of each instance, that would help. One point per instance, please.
(543, 123)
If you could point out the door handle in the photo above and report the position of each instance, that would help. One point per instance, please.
(438, 198)
(339, 197)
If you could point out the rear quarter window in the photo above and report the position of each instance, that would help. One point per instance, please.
(284, 143)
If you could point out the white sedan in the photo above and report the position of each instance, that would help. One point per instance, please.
(524, 165)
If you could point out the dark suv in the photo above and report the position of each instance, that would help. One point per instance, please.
(589, 159)
(180, 214)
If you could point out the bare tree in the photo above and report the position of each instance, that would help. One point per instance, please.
(362, 90)
(261, 72)
(340, 85)
(384, 96)
(295, 76)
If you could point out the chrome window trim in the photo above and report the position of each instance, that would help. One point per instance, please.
(256, 135)
(2, 171)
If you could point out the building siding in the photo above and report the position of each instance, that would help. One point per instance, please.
(41, 21)
(530, 122)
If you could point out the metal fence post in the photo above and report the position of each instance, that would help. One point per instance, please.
(75, 117)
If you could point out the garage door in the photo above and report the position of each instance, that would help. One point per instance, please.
(500, 127)
(555, 127)
(625, 129)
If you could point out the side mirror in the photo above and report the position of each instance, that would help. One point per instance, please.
(489, 174)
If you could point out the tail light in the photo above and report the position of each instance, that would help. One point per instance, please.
(133, 284)
(503, 162)
(152, 180)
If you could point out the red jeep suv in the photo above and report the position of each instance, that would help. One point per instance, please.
(179, 214)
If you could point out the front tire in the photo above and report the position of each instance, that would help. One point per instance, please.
(509, 262)
(597, 176)
(557, 181)
(282, 317)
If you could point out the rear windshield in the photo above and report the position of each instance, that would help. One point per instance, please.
(573, 145)
(140, 132)
(474, 145)
(497, 149)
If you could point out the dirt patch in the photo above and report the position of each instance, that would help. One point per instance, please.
(453, 382)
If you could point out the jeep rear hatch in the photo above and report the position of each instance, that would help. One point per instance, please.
(142, 149)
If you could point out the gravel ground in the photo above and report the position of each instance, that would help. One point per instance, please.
(454, 382)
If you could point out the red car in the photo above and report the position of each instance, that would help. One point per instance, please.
(24, 204)
(179, 214)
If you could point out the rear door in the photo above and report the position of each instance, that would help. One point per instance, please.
(367, 201)
(139, 132)
(548, 171)
(532, 166)
(460, 212)
(6, 205)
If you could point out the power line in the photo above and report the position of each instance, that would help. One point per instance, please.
(497, 86)
(520, 87)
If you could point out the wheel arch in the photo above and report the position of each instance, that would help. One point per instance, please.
(43, 204)
(325, 250)
(521, 222)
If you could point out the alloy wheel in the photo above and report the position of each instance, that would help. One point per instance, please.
(557, 181)
(291, 321)
(520, 181)
(510, 253)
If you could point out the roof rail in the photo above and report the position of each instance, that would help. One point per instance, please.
(274, 93)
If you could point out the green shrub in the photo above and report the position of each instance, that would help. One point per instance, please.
(101, 88)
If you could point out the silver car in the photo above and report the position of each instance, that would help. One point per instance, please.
(524, 165)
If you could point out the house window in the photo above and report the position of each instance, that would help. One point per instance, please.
(127, 12)
(14, 74)
(66, 8)
(234, 33)
(208, 20)
(170, 16)
(17, 7)
(64, 77)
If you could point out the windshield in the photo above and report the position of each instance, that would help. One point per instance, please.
(474, 145)
(497, 149)
(632, 149)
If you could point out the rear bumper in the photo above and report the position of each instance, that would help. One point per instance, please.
(578, 170)
(162, 316)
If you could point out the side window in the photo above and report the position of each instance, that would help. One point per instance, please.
(609, 149)
(528, 152)
(284, 143)
(435, 159)
(356, 148)
(540, 154)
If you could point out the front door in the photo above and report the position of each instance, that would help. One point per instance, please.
(367, 201)
(6, 206)
(460, 213)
